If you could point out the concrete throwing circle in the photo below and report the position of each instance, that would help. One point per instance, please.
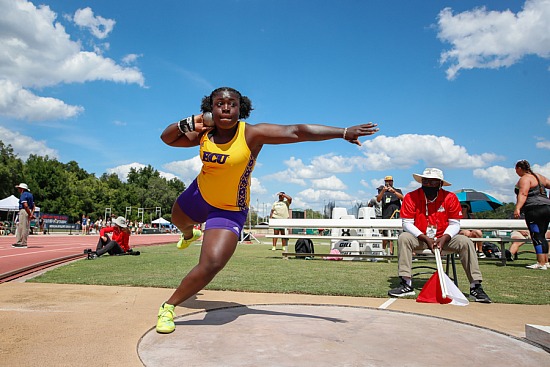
(326, 335)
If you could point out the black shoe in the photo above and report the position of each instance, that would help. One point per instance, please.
(87, 251)
(509, 256)
(18, 245)
(479, 295)
(403, 290)
(92, 256)
(133, 252)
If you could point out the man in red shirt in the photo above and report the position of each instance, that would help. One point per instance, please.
(431, 219)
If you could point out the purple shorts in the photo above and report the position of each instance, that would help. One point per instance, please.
(193, 204)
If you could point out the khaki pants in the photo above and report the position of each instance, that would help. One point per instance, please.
(459, 244)
(23, 228)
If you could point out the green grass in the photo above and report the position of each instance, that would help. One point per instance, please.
(255, 268)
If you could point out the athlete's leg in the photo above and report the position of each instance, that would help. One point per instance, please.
(537, 222)
(182, 221)
(218, 245)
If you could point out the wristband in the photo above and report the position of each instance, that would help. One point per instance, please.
(186, 125)
(179, 128)
(345, 131)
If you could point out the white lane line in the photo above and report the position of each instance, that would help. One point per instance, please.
(66, 249)
(387, 303)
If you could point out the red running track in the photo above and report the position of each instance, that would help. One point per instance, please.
(43, 248)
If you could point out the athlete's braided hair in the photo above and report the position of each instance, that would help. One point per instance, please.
(526, 167)
(244, 102)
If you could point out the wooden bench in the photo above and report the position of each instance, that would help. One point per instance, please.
(495, 225)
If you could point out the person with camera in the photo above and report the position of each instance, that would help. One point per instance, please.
(118, 243)
(281, 210)
(390, 197)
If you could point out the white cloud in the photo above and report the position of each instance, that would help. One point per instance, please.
(123, 170)
(187, 170)
(23, 146)
(321, 167)
(503, 179)
(481, 38)
(543, 144)
(21, 104)
(403, 151)
(98, 26)
(322, 174)
(366, 184)
(498, 176)
(331, 163)
(130, 59)
(329, 183)
(256, 187)
(319, 196)
(37, 52)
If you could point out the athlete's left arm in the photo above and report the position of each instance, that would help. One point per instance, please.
(264, 133)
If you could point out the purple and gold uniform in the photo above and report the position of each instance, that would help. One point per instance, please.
(221, 192)
(224, 180)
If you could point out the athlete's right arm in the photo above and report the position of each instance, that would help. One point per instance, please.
(184, 133)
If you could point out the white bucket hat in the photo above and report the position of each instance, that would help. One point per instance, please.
(431, 173)
(121, 222)
(23, 186)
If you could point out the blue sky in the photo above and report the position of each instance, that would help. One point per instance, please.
(459, 85)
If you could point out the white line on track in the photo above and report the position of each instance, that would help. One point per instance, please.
(387, 303)
(63, 249)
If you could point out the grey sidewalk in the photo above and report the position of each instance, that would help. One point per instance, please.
(75, 325)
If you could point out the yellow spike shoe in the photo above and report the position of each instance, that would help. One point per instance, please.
(165, 322)
(183, 243)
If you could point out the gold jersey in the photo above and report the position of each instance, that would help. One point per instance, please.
(224, 180)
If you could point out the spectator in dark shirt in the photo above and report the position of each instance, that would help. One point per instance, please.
(390, 198)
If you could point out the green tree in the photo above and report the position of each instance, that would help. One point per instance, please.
(147, 189)
(140, 177)
(108, 192)
(11, 171)
(313, 214)
(49, 182)
(65, 188)
(505, 211)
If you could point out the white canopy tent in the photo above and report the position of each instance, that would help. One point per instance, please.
(162, 222)
(11, 204)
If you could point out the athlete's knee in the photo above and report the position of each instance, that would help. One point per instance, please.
(212, 266)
